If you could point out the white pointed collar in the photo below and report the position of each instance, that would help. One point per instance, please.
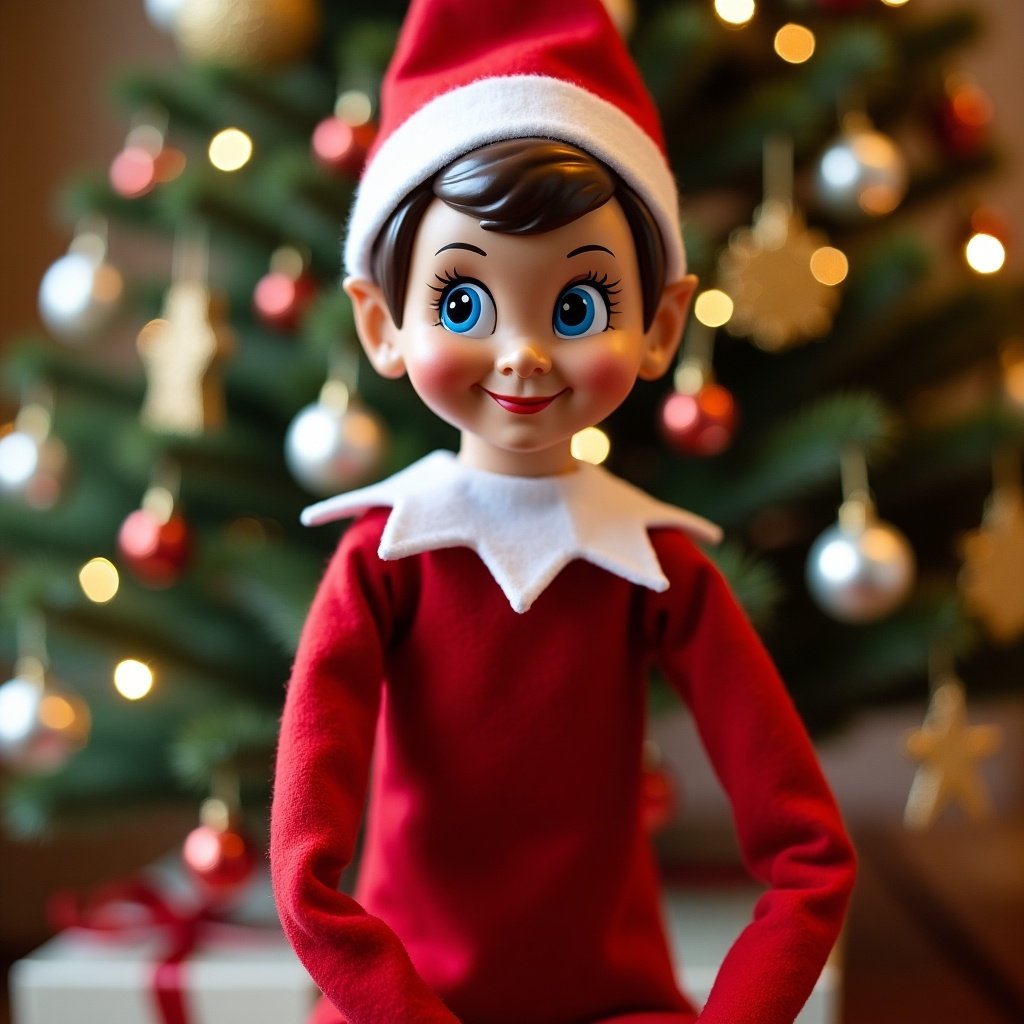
(438, 502)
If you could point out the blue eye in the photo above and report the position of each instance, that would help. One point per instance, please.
(467, 308)
(580, 311)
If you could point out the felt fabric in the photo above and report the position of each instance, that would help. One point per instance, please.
(466, 74)
(506, 875)
(587, 514)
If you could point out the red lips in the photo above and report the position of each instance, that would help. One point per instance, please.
(523, 405)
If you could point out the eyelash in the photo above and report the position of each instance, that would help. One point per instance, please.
(450, 278)
(608, 290)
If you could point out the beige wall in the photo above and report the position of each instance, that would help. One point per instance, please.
(56, 117)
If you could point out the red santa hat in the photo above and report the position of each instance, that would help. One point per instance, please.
(470, 72)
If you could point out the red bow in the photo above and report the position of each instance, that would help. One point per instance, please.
(129, 907)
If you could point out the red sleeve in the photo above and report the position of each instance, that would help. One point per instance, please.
(786, 819)
(323, 761)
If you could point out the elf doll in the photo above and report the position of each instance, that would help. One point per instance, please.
(476, 655)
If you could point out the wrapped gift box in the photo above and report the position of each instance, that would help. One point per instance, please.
(241, 973)
(705, 922)
(254, 977)
(77, 977)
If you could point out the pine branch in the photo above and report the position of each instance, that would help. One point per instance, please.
(240, 738)
(795, 458)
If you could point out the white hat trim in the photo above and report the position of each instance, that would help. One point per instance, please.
(507, 107)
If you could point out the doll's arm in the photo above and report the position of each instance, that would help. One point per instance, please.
(323, 763)
(788, 826)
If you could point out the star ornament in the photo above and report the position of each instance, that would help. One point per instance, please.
(182, 354)
(993, 568)
(949, 751)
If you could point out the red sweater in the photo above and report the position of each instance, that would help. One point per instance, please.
(506, 877)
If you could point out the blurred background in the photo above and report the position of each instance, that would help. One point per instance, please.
(179, 377)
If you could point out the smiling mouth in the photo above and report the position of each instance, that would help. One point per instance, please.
(522, 405)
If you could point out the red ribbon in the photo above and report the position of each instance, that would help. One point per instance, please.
(127, 908)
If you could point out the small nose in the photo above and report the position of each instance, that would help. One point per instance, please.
(523, 358)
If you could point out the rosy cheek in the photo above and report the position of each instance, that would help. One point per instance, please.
(436, 368)
(606, 375)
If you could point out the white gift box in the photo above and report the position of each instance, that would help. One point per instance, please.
(244, 973)
(258, 980)
(704, 923)
(78, 977)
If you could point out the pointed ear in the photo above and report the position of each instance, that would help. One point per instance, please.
(666, 331)
(377, 331)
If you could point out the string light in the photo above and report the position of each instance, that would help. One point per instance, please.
(230, 149)
(713, 308)
(99, 580)
(829, 265)
(591, 445)
(735, 13)
(133, 679)
(794, 43)
(984, 253)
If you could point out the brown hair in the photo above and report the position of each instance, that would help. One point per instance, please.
(519, 187)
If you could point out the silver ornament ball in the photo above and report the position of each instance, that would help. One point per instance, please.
(862, 174)
(32, 468)
(860, 574)
(41, 726)
(331, 448)
(163, 13)
(79, 296)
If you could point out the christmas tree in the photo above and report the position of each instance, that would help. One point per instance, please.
(154, 572)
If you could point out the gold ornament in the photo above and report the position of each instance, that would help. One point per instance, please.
(949, 751)
(246, 33)
(182, 354)
(766, 269)
(780, 275)
(993, 568)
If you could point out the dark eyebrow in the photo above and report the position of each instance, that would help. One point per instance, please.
(460, 245)
(588, 248)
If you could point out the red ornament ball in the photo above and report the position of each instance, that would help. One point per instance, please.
(221, 860)
(133, 172)
(989, 220)
(342, 147)
(281, 300)
(963, 120)
(702, 423)
(156, 550)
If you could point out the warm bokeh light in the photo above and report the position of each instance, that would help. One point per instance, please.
(985, 254)
(133, 679)
(354, 107)
(713, 308)
(735, 12)
(794, 43)
(230, 149)
(56, 712)
(894, 3)
(829, 265)
(99, 580)
(1012, 359)
(591, 445)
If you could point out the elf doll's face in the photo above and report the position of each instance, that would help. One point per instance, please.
(520, 341)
